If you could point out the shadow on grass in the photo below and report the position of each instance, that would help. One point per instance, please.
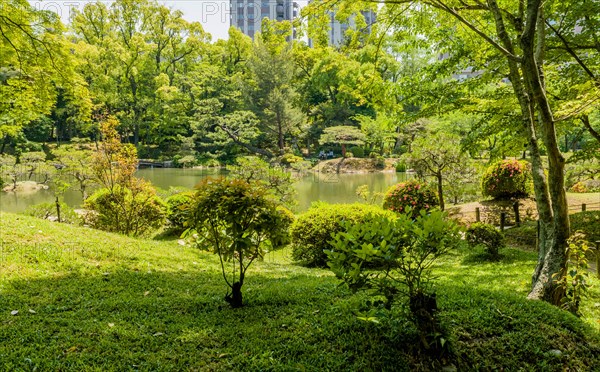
(179, 321)
(506, 256)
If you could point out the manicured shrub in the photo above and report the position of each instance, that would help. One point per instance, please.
(588, 223)
(126, 211)
(178, 210)
(410, 194)
(357, 151)
(486, 235)
(507, 179)
(289, 159)
(313, 231)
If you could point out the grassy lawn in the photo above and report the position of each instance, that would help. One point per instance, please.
(89, 300)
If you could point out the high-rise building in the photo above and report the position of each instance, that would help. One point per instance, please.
(337, 29)
(247, 15)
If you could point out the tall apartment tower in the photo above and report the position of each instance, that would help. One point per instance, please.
(247, 15)
(337, 29)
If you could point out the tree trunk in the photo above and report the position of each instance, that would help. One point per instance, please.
(424, 309)
(440, 190)
(235, 297)
(343, 150)
(57, 202)
(526, 76)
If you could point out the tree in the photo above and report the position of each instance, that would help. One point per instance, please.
(515, 37)
(235, 220)
(77, 164)
(342, 135)
(270, 92)
(436, 155)
(35, 65)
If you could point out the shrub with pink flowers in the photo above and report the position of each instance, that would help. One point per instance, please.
(410, 194)
(507, 179)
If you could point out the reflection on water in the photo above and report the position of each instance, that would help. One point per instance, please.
(330, 188)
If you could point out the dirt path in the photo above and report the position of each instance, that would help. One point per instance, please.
(490, 210)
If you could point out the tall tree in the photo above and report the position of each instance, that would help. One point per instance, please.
(515, 34)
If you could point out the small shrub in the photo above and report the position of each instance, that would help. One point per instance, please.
(178, 210)
(357, 151)
(380, 162)
(312, 232)
(487, 236)
(405, 249)
(400, 166)
(507, 179)
(579, 188)
(575, 278)
(289, 159)
(125, 211)
(238, 221)
(410, 194)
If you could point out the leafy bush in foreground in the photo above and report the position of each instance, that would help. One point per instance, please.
(405, 248)
(485, 235)
(312, 231)
(410, 194)
(507, 179)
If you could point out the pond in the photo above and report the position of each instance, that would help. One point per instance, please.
(332, 188)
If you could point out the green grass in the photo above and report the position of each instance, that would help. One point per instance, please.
(105, 302)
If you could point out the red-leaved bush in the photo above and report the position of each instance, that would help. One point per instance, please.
(410, 194)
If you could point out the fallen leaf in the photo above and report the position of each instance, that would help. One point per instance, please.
(32, 311)
(71, 349)
(158, 334)
(146, 293)
(14, 312)
(111, 325)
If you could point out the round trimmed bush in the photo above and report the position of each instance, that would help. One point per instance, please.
(410, 194)
(178, 210)
(313, 231)
(507, 179)
(123, 211)
(485, 235)
(357, 151)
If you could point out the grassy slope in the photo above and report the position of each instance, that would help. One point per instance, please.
(108, 302)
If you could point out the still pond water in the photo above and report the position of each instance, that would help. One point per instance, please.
(314, 187)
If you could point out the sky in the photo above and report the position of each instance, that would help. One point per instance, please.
(213, 14)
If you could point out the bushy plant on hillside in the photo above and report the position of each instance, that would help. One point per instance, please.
(313, 230)
(405, 249)
(125, 204)
(507, 179)
(412, 195)
(178, 210)
(238, 221)
(125, 210)
(486, 235)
